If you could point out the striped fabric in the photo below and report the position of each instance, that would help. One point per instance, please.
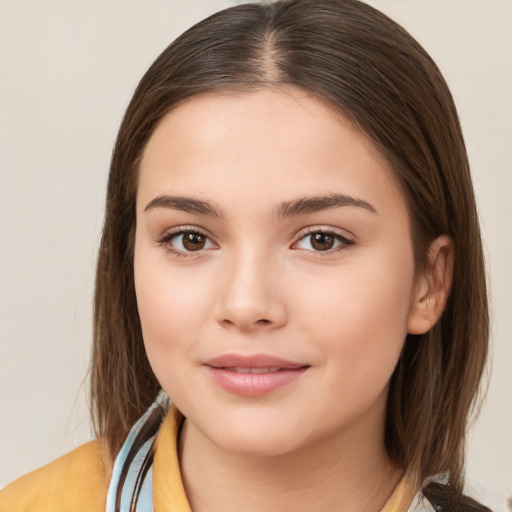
(131, 485)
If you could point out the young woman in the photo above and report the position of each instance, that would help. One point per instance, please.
(291, 306)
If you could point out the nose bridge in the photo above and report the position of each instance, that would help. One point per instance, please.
(251, 296)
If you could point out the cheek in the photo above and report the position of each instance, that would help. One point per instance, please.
(376, 290)
(171, 317)
(172, 307)
(359, 317)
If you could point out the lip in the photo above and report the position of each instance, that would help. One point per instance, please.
(253, 375)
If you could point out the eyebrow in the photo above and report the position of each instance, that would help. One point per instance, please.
(307, 205)
(185, 204)
(291, 208)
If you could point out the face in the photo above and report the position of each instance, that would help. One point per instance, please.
(274, 270)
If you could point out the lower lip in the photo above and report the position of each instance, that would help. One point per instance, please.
(254, 384)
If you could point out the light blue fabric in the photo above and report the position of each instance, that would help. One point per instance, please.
(124, 478)
(145, 503)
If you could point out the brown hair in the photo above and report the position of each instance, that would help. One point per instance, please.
(366, 66)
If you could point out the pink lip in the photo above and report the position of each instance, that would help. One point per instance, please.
(229, 371)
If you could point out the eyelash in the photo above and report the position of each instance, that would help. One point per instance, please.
(344, 242)
(166, 239)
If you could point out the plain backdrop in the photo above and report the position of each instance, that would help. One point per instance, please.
(68, 68)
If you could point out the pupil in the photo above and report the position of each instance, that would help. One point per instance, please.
(322, 241)
(193, 241)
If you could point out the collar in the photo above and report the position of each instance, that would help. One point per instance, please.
(169, 492)
(147, 470)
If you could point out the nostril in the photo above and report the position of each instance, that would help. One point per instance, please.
(263, 321)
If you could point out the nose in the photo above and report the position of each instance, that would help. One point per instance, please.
(251, 295)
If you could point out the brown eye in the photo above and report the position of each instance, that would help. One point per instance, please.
(322, 241)
(186, 242)
(193, 241)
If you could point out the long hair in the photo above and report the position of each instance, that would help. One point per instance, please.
(371, 70)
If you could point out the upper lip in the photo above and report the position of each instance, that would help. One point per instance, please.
(251, 361)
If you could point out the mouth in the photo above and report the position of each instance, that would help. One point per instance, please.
(264, 362)
(239, 369)
(253, 375)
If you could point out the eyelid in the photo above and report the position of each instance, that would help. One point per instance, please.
(346, 240)
(342, 233)
(167, 236)
(178, 230)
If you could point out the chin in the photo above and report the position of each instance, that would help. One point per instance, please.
(260, 446)
(254, 437)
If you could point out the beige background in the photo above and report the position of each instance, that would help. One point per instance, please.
(67, 71)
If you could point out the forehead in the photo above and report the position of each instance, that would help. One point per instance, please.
(265, 146)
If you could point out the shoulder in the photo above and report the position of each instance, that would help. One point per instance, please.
(76, 481)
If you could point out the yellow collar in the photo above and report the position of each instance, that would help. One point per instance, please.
(168, 490)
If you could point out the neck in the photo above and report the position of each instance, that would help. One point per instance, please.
(341, 474)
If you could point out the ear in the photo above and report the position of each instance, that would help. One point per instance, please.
(433, 287)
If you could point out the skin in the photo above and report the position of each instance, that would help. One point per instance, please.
(258, 285)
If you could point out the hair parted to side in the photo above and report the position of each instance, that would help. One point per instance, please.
(371, 70)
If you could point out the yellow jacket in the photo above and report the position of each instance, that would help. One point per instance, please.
(78, 481)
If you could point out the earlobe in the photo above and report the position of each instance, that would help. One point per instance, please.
(433, 287)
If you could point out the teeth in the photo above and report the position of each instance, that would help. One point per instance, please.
(268, 369)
